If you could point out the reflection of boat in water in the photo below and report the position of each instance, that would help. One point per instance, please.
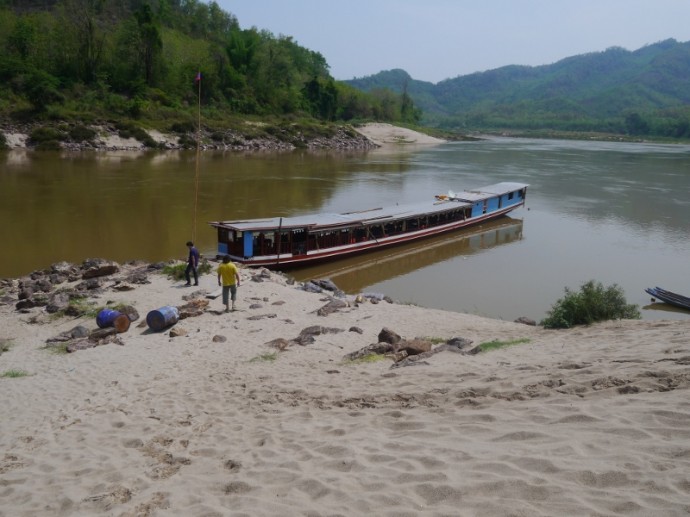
(670, 298)
(356, 273)
(282, 242)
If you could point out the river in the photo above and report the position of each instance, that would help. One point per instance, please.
(611, 212)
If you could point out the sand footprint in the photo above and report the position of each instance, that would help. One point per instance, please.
(168, 465)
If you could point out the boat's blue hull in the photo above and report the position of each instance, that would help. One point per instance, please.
(674, 299)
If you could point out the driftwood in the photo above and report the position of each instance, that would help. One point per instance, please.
(279, 344)
(373, 349)
(99, 334)
(84, 343)
(457, 345)
(306, 337)
(408, 352)
(262, 316)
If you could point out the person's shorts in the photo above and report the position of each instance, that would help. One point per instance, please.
(229, 291)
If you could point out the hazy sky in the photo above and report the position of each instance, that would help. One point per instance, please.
(439, 39)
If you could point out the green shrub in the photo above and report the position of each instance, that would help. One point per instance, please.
(187, 142)
(183, 127)
(128, 130)
(592, 303)
(46, 134)
(81, 134)
(3, 141)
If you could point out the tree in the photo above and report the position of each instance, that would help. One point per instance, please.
(636, 125)
(322, 98)
(84, 41)
(151, 44)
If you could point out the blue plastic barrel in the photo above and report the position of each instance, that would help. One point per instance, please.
(106, 317)
(162, 318)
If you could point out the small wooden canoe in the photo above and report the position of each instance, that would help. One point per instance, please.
(674, 299)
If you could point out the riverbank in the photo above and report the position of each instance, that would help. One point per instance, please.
(258, 411)
(255, 137)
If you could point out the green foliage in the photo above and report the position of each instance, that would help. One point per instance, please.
(12, 374)
(176, 271)
(186, 126)
(41, 89)
(3, 141)
(130, 59)
(81, 133)
(47, 138)
(592, 303)
(496, 344)
(47, 134)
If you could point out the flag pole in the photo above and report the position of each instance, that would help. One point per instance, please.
(198, 152)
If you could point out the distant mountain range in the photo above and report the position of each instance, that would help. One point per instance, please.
(646, 90)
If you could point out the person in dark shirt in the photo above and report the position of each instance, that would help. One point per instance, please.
(192, 264)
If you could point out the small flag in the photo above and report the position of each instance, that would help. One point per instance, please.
(197, 78)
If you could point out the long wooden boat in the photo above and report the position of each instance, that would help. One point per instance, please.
(674, 299)
(283, 242)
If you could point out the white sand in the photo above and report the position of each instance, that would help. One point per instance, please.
(387, 135)
(590, 421)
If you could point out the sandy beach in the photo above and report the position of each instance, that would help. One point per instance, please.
(240, 415)
(387, 135)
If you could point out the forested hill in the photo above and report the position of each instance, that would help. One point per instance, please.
(646, 91)
(139, 61)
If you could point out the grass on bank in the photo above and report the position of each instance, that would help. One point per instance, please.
(56, 348)
(13, 374)
(496, 344)
(371, 358)
(268, 357)
(83, 306)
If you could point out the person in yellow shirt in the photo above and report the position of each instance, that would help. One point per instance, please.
(229, 279)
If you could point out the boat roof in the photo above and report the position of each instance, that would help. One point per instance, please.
(374, 215)
(497, 189)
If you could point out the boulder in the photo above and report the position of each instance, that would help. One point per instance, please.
(93, 268)
(58, 302)
(177, 332)
(413, 347)
(332, 306)
(388, 336)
